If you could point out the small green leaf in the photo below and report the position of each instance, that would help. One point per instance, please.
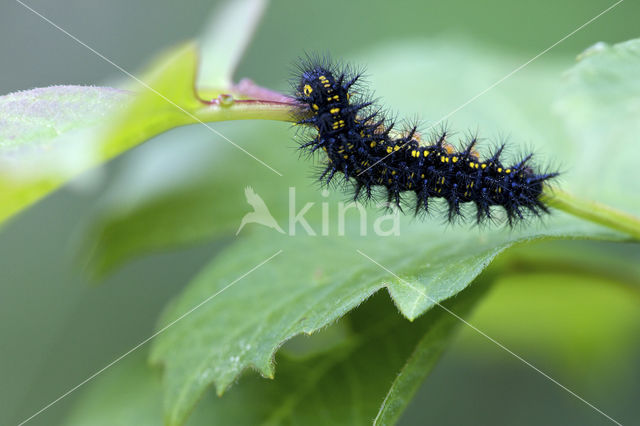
(424, 355)
(225, 39)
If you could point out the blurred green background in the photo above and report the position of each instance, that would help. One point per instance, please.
(56, 328)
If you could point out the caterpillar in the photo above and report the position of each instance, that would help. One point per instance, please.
(374, 158)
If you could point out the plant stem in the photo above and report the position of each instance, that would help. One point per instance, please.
(593, 211)
(245, 101)
(247, 88)
(246, 110)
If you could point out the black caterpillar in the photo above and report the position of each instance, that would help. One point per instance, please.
(361, 144)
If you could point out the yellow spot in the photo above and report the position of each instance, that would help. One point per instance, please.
(507, 171)
(389, 150)
(471, 185)
(395, 148)
(372, 144)
(425, 153)
(413, 153)
(442, 180)
(307, 90)
(345, 156)
(315, 107)
(499, 169)
(334, 110)
(454, 159)
(471, 164)
(484, 166)
(390, 180)
(442, 159)
(393, 172)
(422, 176)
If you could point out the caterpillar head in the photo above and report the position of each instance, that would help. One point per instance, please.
(317, 89)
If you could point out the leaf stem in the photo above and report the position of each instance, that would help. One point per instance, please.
(593, 211)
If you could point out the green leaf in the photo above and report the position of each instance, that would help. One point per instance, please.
(342, 384)
(68, 130)
(247, 308)
(592, 338)
(599, 104)
(33, 119)
(42, 138)
(347, 384)
(138, 119)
